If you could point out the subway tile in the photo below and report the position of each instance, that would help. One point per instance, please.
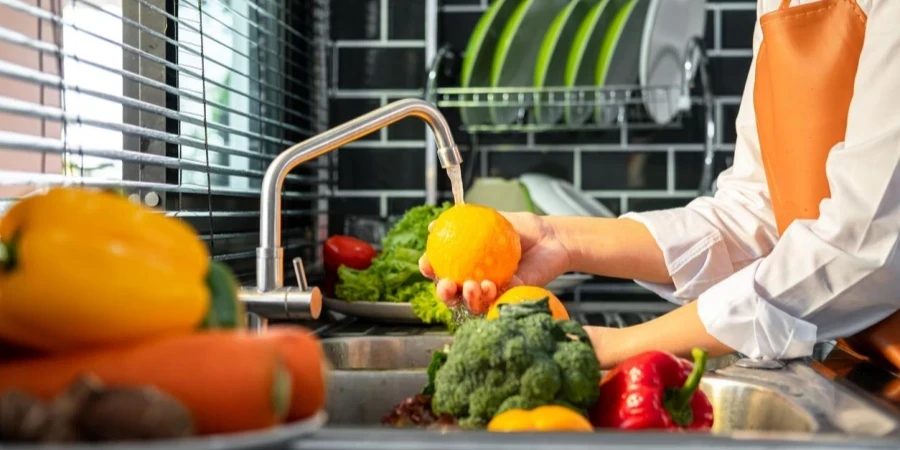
(456, 28)
(471, 169)
(729, 116)
(356, 19)
(511, 164)
(397, 206)
(729, 74)
(691, 130)
(406, 19)
(577, 137)
(612, 203)
(381, 68)
(623, 170)
(340, 209)
(344, 109)
(410, 129)
(655, 204)
(381, 168)
(737, 29)
(689, 168)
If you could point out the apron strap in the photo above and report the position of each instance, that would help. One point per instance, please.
(785, 4)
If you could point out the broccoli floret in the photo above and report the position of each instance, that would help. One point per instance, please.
(523, 359)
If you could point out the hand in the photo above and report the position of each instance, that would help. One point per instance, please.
(544, 257)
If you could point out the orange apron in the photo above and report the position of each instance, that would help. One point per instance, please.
(805, 70)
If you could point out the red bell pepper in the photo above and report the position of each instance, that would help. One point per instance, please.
(344, 251)
(654, 390)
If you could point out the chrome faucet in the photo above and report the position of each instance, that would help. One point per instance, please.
(266, 299)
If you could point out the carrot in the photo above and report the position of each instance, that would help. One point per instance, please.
(229, 381)
(302, 355)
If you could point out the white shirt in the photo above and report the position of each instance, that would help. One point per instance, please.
(775, 298)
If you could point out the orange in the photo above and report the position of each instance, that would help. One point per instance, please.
(525, 294)
(472, 242)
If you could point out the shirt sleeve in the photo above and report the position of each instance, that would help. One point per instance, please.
(836, 275)
(713, 237)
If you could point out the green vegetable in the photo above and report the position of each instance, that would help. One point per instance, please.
(394, 274)
(437, 361)
(411, 231)
(523, 359)
(358, 285)
(427, 306)
(225, 310)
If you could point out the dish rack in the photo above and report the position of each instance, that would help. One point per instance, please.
(618, 107)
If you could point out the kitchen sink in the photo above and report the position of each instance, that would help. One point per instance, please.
(370, 374)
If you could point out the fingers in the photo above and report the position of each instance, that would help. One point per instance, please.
(447, 291)
(489, 291)
(430, 226)
(425, 267)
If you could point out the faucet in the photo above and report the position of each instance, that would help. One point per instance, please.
(270, 299)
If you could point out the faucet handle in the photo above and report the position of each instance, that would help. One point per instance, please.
(300, 273)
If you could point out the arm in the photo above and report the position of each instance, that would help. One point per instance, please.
(827, 278)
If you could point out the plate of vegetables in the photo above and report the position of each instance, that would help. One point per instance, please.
(385, 285)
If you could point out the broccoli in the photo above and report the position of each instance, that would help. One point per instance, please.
(523, 359)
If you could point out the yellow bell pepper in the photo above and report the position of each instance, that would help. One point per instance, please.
(543, 418)
(82, 268)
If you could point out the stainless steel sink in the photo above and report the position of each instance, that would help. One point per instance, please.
(372, 373)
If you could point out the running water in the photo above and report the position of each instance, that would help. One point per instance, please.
(460, 313)
(455, 174)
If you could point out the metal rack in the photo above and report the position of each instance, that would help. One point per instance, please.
(618, 108)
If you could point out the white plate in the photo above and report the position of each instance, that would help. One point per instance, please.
(376, 311)
(402, 313)
(270, 438)
(670, 25)
(582, 57)
(479, 56)
(618, 63)
(557, 197)
(517, 49)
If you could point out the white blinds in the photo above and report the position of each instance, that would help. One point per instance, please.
(179, 104)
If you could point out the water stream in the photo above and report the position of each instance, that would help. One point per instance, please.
(455, 174)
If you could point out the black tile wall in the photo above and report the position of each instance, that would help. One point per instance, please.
(381, 57)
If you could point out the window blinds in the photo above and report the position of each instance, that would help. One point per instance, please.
(179, 104)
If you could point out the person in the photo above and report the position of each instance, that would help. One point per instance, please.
(798, 244)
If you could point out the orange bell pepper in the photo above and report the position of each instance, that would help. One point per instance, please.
(543, 418)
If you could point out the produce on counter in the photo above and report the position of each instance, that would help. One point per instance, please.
(519, 294)
(393, 275)
(542, 418)
(472, 242)
(230, 380)
(522, 360)
(654, 390)
(89, 411)
(81, 268)
(344, 251)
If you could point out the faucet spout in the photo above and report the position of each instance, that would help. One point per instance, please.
(270, 255)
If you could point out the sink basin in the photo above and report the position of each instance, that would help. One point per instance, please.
(371, 374)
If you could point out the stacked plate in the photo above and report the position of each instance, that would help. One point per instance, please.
(578, 44)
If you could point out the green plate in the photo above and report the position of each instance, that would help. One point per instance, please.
(476, 64)
(517, 49)
(550, 70)
(581, 63)
(620, 55)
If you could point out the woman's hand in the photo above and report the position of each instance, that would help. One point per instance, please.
(544, 257)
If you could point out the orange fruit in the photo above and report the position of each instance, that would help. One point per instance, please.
(472, 242)
(529, 294)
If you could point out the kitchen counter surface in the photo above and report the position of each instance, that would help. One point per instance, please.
(874, 401)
